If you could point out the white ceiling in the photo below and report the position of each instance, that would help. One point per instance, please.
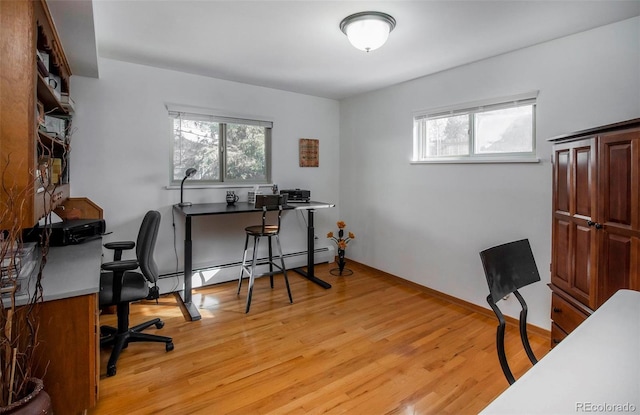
(297, 46)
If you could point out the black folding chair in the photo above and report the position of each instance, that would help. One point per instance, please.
(509, 267)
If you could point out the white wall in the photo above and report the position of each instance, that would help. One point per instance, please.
(427, 223)
(121, 152)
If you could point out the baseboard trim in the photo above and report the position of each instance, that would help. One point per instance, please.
(212, 274)
(531, 329)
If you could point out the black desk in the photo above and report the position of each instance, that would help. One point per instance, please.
(205, 209)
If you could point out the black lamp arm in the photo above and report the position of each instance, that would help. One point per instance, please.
(190, 172)
(182, 188)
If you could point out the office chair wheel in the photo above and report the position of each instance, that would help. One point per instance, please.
(111, 371)
(169, 346)
(160, 324)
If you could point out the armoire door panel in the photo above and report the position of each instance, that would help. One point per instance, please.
(616, 265)
(620, 180)
(563, 181)
(634, 278)
(617, 184)
(581, 283)
(583, 184)
(561, 254)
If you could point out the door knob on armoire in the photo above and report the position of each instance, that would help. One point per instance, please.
(595, 224)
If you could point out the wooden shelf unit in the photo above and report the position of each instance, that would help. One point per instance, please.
(68, 332)
(25, 27)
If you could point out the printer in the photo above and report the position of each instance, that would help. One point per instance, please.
(297, 195)
(68, 232)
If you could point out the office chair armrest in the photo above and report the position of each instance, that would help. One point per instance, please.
(120, 266)
(118, 247)
(124, 245)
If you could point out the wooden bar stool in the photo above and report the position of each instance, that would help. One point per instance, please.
(268, 203)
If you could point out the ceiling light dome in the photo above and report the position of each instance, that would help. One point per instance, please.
(367, 31)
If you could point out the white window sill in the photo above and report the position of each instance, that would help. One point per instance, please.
(193, 185)
(483, 160)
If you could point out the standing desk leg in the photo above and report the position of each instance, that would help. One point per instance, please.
(310, 255)
(188, 272)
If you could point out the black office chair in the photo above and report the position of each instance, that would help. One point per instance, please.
(267, 203)
(120, 285)
(509, 267)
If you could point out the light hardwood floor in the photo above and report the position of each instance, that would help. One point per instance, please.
(370, 345)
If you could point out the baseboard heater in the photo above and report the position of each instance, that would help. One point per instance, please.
(219, 273)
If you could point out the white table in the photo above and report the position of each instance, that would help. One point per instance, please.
(596, 369)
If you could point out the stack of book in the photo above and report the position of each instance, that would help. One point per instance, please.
(17, 265)
(68, 103)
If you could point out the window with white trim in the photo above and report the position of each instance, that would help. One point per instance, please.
(496, 130)
(223, 150)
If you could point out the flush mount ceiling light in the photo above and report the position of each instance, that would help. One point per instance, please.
(367, 30)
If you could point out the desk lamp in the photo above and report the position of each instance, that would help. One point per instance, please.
(190, 172)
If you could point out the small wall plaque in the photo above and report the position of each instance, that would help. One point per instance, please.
(309, 149)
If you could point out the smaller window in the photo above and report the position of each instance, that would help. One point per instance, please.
(493, 131)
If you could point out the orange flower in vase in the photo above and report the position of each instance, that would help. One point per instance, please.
(341, 243)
